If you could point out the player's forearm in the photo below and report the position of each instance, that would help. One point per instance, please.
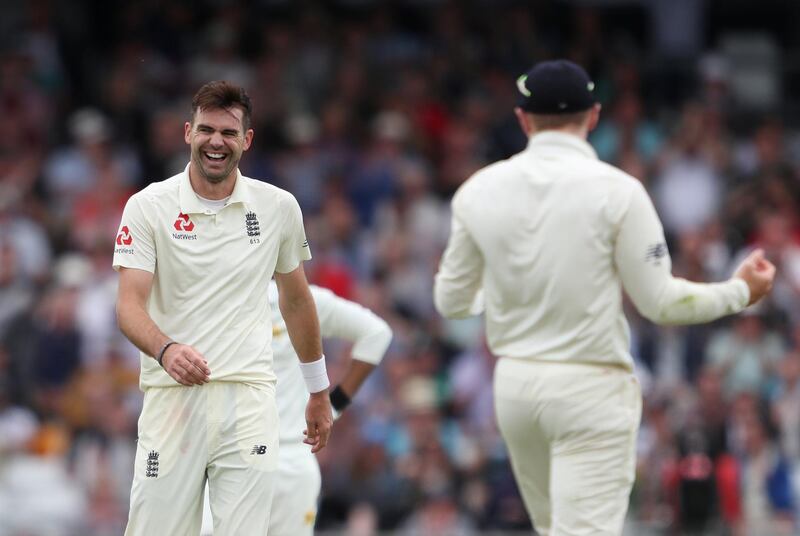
(684, 302)
(137, 325)
(357, 373)
(302, 324)
(456, 287)
(454, 300)
(645, 268)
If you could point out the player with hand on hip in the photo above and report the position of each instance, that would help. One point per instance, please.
(294, 503)
(551, 236)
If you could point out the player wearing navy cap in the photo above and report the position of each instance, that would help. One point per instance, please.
(544, 242)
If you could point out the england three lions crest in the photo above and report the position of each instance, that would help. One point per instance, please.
(251, 224)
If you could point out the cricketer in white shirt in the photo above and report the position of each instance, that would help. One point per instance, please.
(211, 269)
(545, 242)
(294, 503)
(196, 253)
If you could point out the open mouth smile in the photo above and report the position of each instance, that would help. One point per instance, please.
(215, 157)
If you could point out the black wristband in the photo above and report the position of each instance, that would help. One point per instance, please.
(339, 399)
(160, 356)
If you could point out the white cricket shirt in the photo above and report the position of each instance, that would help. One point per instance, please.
(338, 318)
(550, 236)
(212, 270)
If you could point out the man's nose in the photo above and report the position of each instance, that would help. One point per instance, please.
(216, 139)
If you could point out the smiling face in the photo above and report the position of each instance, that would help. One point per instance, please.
(218, 139)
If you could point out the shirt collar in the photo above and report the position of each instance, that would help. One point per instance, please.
(561, 141)
(191, 204)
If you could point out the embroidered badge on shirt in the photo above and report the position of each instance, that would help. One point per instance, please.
(151, 471)
(251, 224)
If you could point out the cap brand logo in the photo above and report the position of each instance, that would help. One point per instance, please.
(522, 87)
(183, 223)
(124, 237)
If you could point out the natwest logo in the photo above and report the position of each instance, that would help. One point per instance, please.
(184, 226)
(124, 237)
(183, 223)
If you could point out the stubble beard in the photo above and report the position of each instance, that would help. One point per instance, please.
(214, 178)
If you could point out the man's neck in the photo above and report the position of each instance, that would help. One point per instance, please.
(211, 190)
(579, 131)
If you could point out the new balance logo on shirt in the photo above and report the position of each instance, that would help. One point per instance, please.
(258, 449)
(656, 252)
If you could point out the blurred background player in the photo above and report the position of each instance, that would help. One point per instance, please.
(294, 503)
(548, 239)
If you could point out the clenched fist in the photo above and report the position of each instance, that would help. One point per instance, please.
(758, 273)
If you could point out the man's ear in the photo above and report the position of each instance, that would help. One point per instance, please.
(594, 117)
(524, 121)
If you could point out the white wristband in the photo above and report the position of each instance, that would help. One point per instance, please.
(316, 375)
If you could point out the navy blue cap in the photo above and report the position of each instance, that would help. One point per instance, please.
(556, 87)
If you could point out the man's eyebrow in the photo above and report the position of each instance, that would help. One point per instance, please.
(224, 130)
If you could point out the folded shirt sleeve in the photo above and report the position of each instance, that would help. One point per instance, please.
(344, 319)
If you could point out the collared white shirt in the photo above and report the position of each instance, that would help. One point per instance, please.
(338, 318)
(212, 270)
(550, 236)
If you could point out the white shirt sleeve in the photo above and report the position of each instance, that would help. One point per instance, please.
(457, 286)
(294, 246)
(347, 320)
(135, 245)
(645, 268)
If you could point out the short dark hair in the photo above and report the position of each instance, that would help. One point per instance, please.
(222, 95)
(551, 121)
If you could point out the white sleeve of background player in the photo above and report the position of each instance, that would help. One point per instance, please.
(457, 286)
(134, 245)
(645, 268)
(293, 246)
(343, 319)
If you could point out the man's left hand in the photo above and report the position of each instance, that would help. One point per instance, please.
(319, 421)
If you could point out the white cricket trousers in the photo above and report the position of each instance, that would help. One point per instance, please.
(571, 430)
(294, 503)
(225, 432)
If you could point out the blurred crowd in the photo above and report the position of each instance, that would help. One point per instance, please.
(372, 113)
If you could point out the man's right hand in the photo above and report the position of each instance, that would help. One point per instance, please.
(758, 273)
(186, 365)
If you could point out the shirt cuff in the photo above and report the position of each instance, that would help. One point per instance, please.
(742, 293)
